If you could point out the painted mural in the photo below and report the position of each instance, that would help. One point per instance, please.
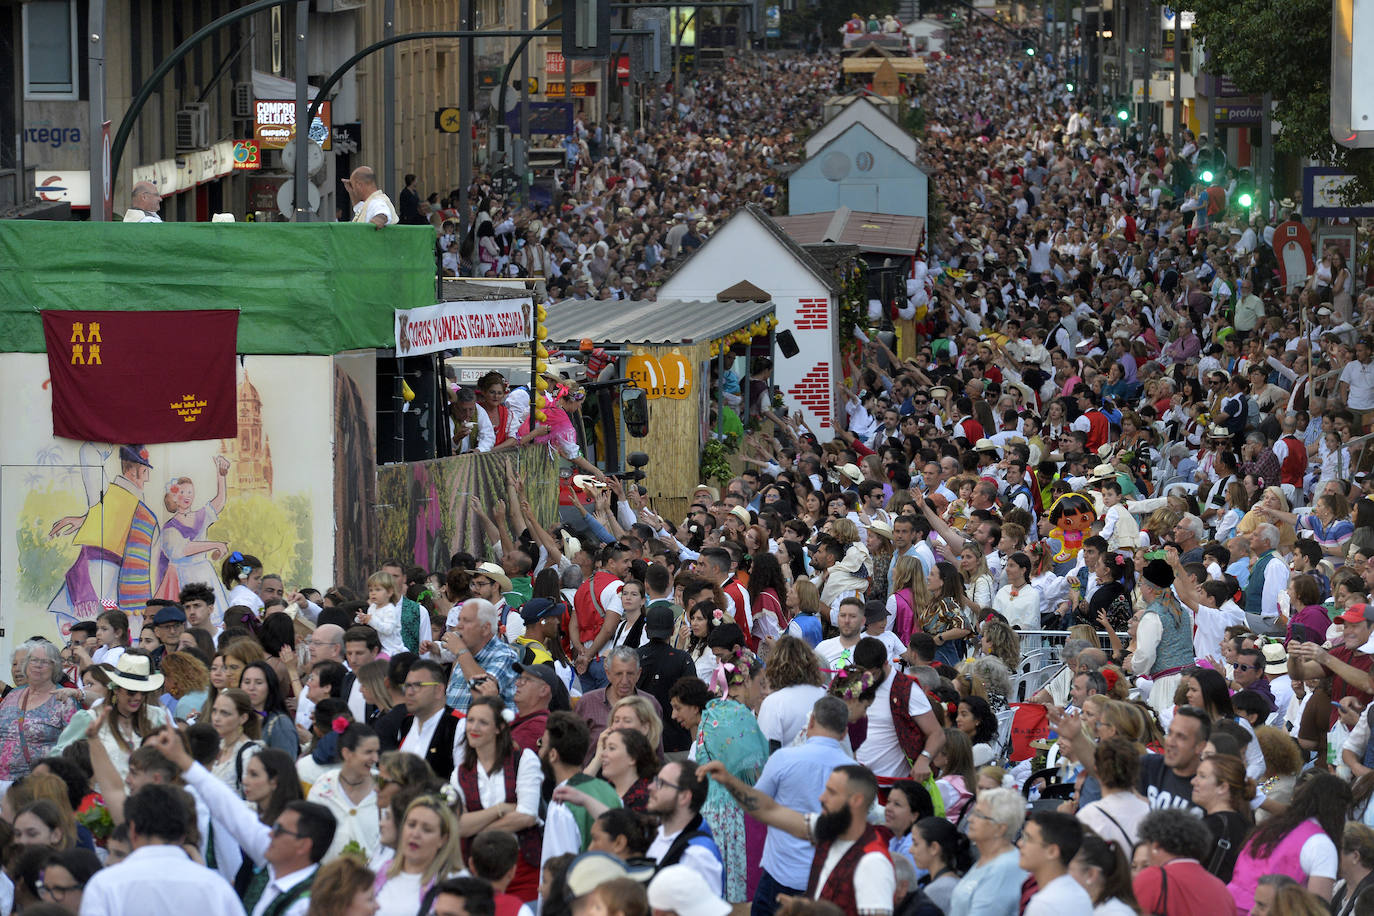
(424, 509)
(88, 525)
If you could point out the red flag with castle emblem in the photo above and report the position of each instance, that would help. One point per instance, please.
(154, 376)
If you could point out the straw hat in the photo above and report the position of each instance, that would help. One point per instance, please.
(852, 472)
(984, 445)
(134, 672)
(1103, 472)
(492, 572)
(588, 482)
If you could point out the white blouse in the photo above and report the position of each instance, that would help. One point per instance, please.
(529, 780)
(1022, 610)
(386, 620)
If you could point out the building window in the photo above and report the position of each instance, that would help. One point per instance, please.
(50, 62)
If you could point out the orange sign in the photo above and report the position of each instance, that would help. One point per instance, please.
(579, 90)
(666, 376)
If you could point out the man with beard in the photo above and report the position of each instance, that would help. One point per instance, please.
(675, 798)
(851, 867)
(568, 825)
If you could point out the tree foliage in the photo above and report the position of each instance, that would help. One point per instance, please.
(1284, 47)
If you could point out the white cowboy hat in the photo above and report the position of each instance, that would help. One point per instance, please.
(134, 672)
(1216, 431)
(1103, 472)
(492, 572)
(588, 482)
(878, 526)
(984, 445)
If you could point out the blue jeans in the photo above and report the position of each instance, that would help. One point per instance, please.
(594, 678)
(766, 895)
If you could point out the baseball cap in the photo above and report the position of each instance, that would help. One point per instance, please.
(538, 608)
(658, 622)
(559, 693)
(1356, 613)
(681, 889)
(874, 611)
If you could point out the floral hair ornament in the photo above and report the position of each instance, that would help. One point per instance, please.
(507, 716)
(854, 684)
(339, 725)
(1110, 676)
(717, 615)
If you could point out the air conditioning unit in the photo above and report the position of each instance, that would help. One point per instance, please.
(243, 100)
(338, 6)
(193, 127)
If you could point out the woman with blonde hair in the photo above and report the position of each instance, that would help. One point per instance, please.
(973, 566)
(908, 598)
(1271, 507)
(998, 640)
(804, 604)
(427, 851)
(635, 712)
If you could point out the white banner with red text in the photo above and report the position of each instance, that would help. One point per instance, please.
(450, 325)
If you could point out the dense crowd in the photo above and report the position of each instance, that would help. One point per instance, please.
(1072, 614)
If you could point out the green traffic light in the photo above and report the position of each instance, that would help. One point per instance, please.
(1068, 87)
(1123, 115)
(1246, 200)
(1206, 175)
(1030, 52)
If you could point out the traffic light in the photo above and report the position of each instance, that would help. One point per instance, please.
(586, 29)
(1123, 112)
(1028, 48)
(1245, 189)
(1210, 163)
(1068, 87)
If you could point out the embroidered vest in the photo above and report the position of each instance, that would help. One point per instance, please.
(1254, 588)
(1282, 860)
(410, 624)
(1175, 643)
(587, 605)
(909, 735)
(839, 886)
(531, 841)
(1098, 429)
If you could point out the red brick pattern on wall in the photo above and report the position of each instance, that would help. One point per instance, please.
(813, 391)
(813, 315)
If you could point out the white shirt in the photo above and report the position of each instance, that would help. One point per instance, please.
(529, 779)
(1360, 377)
(1060, 896)
(875, 881)
(561, 833)
(697, 858)
(834, 654)
(135, 215)
(784, 713)
(278, 886)
(880, 751)
(421, 733)
(159, 881)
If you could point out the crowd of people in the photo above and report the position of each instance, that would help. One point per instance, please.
(1071, 614)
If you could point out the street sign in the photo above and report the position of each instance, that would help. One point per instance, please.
(246, 156)
(579, 90)
(1321, 194)
(446, 120)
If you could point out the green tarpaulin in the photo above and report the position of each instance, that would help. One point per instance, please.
(308, 288)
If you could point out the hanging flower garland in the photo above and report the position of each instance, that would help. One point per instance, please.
(541, 362)
(853, 305)
(744, 336)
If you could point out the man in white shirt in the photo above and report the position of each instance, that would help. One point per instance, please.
(1357, 380)
(144, 202)
(157, 878)
(837, 652)
(675, 798)
(424, 692)
(882, 750)
(290, 849)
(370, 203)
(1048, 844)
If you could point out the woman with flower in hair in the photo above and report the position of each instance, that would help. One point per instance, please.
(1116, 573)
(350, 792)
(858, 687)
(728, 732)
(701, 619)
(500, 785)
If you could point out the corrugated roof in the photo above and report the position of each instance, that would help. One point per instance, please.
(620, 321)
(877, 232)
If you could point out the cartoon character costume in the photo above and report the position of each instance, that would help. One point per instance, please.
(1072, 516)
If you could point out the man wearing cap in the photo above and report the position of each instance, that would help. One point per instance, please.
(1350, 662)
(540, 617)
(851, 866)
(678, 890)
(168, 624)
(661, 666)
(876, 626)
(538, 691)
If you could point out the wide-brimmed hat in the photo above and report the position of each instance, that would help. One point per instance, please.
(1103, 472)
(1275, 658)
(878, 526)
(1217, 431)
(984, 445)
(588, 482)
(592, 869)
(134, 672)
(494, 573)
(852, 472)
(742, 514)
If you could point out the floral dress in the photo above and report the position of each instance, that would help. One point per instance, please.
(28, 735)
(730, 733)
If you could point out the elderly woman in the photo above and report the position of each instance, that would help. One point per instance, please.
(1271, 508)
(1163, 642)
(32, 717)
(994, 884)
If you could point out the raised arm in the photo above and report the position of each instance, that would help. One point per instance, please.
(755, 803)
